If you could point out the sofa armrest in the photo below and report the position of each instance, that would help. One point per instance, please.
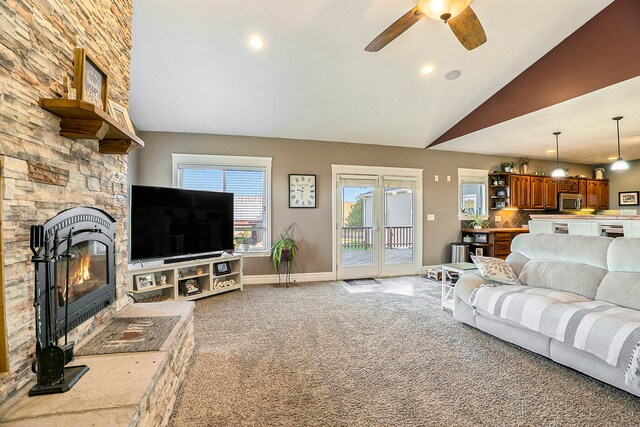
(466, 285)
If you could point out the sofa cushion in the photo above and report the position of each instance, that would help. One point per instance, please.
(495, 269)
(624, 255)
(591, 250)
(581, 279)
(620, 288)
(517, 262)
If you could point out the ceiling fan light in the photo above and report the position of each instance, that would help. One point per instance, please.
(619, 165)
(443, 10)
(559, 173)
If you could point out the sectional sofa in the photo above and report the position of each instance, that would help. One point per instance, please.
(582, 271)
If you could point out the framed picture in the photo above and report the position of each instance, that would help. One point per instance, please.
(302, 191)
(90, 80)
(222, 268)
(628, 198)
(501, 193)
(191, 287)
(121, 115)
(501, 205)
(479, 252)
(145, 281)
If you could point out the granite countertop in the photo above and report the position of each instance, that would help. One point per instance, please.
(496, 230)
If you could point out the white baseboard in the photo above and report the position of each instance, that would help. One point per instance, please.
(298, 277)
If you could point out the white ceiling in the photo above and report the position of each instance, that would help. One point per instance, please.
(192, 70)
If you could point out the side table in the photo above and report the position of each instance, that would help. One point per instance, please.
(458, 269)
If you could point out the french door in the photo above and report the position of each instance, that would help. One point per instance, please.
(376, 218)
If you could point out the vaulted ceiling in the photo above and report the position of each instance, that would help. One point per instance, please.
(193, 71)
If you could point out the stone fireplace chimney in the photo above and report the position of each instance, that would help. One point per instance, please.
(43, 173)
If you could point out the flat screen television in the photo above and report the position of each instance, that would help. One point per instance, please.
(172, 222)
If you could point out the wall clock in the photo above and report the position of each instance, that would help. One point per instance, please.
(302, 191)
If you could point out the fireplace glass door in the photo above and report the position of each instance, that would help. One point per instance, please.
(87, 271)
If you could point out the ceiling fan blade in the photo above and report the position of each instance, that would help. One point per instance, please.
(395, 29)
(468, 29)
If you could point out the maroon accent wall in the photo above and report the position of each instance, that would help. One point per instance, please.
(603, 52)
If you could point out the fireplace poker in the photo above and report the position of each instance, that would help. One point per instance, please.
(36, 242)
(56, 246)
(66, 287)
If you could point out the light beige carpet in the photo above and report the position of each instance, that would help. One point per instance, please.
(319, 355)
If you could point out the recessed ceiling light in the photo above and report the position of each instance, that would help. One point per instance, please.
(256, 42)
(427, 70)
(551, 151)
(613, 158)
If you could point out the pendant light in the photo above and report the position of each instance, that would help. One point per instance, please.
(558, 172)
(619, 164)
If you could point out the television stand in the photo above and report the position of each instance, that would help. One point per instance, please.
(192, 258)
(186, 280)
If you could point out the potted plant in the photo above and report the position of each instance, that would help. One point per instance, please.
(505, 166)
(243, 240)
(524, 164)
(478, 221)
(284, 250)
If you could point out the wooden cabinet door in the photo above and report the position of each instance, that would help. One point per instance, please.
(603, 195)
(520, 191)
(550, 193)
(568, 185)
(537, 192)
(582, 184)
(592, 195)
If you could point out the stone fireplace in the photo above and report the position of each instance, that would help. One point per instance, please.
(43, 173)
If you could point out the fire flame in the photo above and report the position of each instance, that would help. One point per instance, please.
(82, 274)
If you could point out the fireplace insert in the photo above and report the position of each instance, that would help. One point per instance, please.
(83, 238)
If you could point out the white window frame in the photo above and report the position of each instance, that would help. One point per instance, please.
(474, 174)
(244, 162)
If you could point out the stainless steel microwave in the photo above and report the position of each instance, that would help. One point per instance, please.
(569, 202)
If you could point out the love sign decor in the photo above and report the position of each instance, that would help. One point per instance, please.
(91, 81)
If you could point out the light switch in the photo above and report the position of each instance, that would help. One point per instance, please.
(431, 217)
(498, 218)
(437, 178)
(448, 178)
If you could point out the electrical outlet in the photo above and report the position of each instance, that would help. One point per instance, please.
(437, 178)
(448, 178)
(431, 217)
(498, 218)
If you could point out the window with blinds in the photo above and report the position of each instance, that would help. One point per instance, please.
(250, 196)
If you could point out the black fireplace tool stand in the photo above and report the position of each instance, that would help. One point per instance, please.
(53, 376)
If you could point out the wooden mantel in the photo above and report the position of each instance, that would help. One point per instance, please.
(83, 120)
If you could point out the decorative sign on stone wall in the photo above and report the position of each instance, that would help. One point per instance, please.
(91, 82)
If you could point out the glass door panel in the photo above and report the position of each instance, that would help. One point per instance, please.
(357, 235)
(399, 230)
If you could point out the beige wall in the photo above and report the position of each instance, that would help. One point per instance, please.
(313, 226)
(628, 180)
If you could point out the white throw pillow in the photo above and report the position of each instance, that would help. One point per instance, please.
(495, 269)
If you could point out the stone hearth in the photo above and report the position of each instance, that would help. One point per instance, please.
(133, 389)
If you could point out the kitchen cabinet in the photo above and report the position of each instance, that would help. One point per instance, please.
(568, 185)
(591, 202)
(520, 186)
(537, 192)
(603, 195)
(492, 242)
(550, 194)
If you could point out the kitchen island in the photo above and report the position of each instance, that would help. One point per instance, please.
(611, 224)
